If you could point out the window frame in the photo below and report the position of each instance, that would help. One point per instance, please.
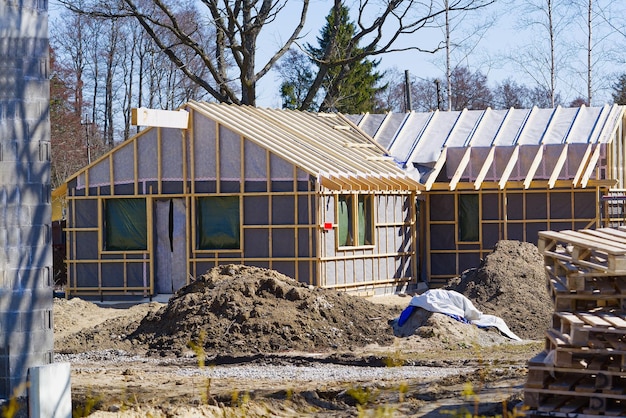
(235, 230)
(465, 235)
(108, 225)
(358, 213)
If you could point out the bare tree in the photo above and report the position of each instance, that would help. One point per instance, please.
(510, 94)
(547, 55)
(238, 25)
(422, 93)
(469, 90)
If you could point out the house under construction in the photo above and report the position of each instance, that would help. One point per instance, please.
(491, 175)
(363, 203)
(306, 194)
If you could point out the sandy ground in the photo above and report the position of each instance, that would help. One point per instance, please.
(201, 352)
(122, 384)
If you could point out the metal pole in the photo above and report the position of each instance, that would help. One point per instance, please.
(407, 90)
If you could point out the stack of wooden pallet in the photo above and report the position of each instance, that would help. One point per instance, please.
(582, 371)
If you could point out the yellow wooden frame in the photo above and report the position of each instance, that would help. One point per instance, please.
(363, 170)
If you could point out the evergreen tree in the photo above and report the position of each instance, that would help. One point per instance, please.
(349, 87)
(619, 90)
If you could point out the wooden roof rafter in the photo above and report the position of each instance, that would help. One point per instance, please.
(515, 155)
(285, 136)
(560, 162)
(432, 177)
(580, 171)
(591, 165)
(299, 156)
(484, 169)
(286, 150)
(335, 147)
(532, 170)
(468, 152)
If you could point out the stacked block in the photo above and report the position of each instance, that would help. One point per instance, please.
(582, 370)
(26, 333)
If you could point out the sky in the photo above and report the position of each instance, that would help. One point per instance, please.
(489, 41)
(505, 36)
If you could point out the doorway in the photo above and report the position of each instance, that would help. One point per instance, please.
(171, 245)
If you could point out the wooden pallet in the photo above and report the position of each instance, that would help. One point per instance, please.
(582, 371)
(581, 380)
(584, 281)
(556, 390)
(598, 327)
(570, 356)
(601, 250)
(571, 404)
(593, 297)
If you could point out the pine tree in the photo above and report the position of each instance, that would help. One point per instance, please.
(619, 90)
(349, 87)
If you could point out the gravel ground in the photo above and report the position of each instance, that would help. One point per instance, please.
(289, 372)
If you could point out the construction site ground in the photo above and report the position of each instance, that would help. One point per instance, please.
(248, 342)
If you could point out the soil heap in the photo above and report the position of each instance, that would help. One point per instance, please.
(237, 309)
(511, 284)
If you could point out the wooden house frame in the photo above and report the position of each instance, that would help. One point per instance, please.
(503, 174)
(309, 195)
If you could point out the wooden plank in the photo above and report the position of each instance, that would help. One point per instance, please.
(614, 320)
(594, 320)
(534, 166)
(560, 162)
(437, 168)
(586, 385)
(160, 118)
(552, 403)
(509, 167)
(611, 247)
(565, 383)
(573, 405)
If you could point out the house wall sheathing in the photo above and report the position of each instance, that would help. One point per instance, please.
(389, 264)
(509, 214)
(282, 207)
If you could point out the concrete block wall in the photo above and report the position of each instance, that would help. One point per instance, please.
(26, 333)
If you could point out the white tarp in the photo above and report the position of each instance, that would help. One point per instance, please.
(453, 303)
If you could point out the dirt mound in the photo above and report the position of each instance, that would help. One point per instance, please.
(511, 284)
(81, 325)
(437, 328)
(239, 309)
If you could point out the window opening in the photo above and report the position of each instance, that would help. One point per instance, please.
(217, 223)
(468, 218)
(354, 217)
(125, 225)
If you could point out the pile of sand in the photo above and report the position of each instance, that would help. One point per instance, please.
(240, 309)
(511, 284)
(237, 309)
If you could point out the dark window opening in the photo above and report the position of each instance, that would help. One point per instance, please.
(217, 223)
(469, 222)
(125, 225)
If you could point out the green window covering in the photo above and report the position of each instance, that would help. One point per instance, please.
(125, 225)
(468, 218)
(365, 220)
(345, 220)
(217, 223)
